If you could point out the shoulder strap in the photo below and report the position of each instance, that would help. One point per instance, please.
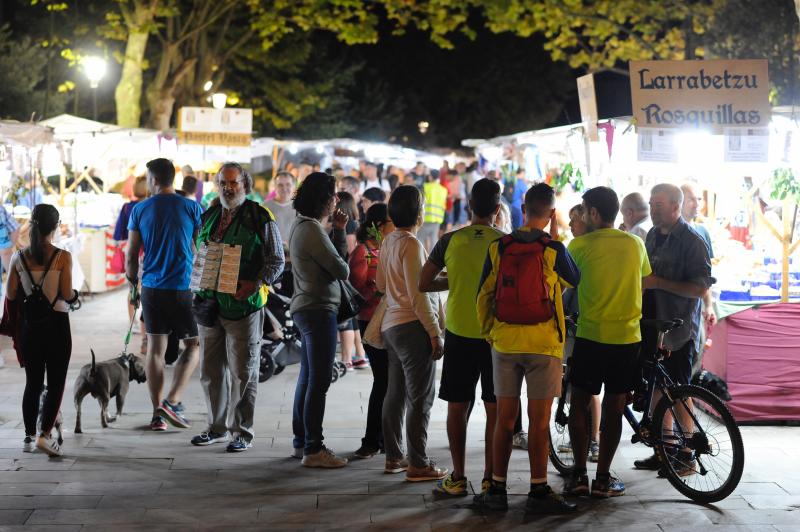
(47, 268)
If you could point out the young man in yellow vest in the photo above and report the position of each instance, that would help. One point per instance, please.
(435, 209)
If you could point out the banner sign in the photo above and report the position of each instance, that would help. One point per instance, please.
(588, 104)
(746, 145)
(218, 127)
(657, 145)
(708, 95)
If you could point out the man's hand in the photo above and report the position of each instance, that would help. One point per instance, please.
(134, 297)
(339, 219)
(246, 289)
(650, 282)
(437, 347)
(553, 226)
(709, 317)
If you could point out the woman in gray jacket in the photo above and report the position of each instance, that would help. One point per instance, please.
(318, 264)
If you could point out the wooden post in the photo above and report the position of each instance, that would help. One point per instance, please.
(786, 214)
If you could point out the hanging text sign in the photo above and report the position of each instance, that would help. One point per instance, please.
(709, 95)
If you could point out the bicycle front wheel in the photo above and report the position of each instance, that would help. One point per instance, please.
(560, 444)
(699, 444)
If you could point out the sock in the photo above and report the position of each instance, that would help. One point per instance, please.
(603, 476)
(498, 483)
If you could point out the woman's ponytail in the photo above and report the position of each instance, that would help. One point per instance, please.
(44, 220)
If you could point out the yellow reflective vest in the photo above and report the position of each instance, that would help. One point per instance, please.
(435, 202)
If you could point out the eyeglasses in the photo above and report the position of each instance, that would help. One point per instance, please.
(230, 184)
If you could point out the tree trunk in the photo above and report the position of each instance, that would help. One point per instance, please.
(128, 94)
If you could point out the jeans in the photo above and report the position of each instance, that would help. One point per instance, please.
(318, 331)
(231, 354)
(378, 361)
(47, 350)
(410, 392)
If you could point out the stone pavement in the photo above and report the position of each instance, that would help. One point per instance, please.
(126, 478)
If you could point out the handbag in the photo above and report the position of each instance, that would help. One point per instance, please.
(350, 303)
(117, 264)
(205, 311)
(372, 334)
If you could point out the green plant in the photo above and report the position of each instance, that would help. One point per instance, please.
(569, 175)
(785, 185)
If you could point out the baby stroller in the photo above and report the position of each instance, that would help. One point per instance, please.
(280, 346)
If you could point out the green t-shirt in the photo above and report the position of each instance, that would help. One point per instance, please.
(612, 264)
(463, 253)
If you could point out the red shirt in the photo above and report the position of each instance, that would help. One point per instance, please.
(363, 267)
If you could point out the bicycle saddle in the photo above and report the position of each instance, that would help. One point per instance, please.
(662, 325)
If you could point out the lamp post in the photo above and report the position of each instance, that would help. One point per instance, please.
(94, 68)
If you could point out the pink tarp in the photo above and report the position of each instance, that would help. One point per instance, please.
(757, 352)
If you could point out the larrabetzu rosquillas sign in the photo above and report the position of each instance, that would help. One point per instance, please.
(710, 95)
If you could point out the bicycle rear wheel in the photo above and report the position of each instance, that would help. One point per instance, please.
(704, 458)
(560, 444)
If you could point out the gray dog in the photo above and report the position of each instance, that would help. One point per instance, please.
(110, 378)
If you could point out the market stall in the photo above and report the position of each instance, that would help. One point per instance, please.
(749, 178)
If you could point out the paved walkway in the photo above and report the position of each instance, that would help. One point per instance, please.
(127, 478)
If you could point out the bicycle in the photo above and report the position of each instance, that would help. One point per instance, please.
(704, 463)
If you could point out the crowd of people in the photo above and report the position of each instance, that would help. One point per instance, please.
(519, 302)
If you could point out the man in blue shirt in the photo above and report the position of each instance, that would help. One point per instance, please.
(165, 226)
(518, 199)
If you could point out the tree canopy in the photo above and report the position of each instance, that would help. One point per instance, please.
(309, 67)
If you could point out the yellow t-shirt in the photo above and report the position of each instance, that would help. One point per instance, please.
(612, 264)
(463, 253)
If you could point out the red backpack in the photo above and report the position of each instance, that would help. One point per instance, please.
(522, 296)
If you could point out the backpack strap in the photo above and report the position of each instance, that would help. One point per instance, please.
(35, 286)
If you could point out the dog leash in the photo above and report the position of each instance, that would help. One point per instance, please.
(135, 299)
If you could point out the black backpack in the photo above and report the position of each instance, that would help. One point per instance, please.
(36, 308)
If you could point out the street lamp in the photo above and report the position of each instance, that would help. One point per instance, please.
(95, 68)
(218, 100)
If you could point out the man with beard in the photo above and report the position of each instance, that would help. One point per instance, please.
(231, 325)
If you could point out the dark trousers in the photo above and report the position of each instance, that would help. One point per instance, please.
(373, 436)
(318, 335)
(45, 351)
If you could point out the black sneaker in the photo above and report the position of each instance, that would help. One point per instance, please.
(607, 487)
(577, 485)
(495, 499)
(238, 445)
(543, 500)
(366, 451)
(209, 438)
(651, 463)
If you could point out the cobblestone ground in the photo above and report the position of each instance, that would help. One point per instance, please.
(128, 478)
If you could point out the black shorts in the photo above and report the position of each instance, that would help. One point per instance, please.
(466, 360)
(679, 363)
(168, 312)
(594, 364)
(348, 325)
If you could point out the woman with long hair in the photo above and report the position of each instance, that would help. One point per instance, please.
(363, 267)
(318, 264)
(46, 345)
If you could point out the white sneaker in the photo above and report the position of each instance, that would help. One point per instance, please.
(48, 445)
(324, 458)
(520, 440)
(27, 444)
